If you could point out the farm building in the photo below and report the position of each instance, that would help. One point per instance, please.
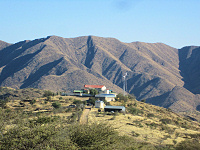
(106, 97)
(98, 87)
(114, 108)
(99, 104)
(78, 91)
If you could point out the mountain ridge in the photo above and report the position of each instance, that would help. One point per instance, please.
(155, 70)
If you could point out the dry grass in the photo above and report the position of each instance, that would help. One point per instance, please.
(155, 125)
(149, 129)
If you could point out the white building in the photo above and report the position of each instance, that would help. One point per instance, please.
(106, 97)
(99, 104)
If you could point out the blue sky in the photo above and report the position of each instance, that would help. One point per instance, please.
(173, 22)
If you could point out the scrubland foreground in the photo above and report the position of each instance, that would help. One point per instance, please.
(47, 123)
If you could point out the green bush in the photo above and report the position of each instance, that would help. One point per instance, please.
(152, 125)
(75, 117)
(92, 100)
(48, 98)
(135, 134)
(68, 110)
(167, 129)
(44, 120)
(121, 97)
(32, 101)
(107, 103)
(166, 121)
(94, 136)
(56, 105)
(134, 111)
(48, 93)
(77, 101)
(93, 92)
(150, 115)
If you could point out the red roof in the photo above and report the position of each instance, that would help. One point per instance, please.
(94, 86)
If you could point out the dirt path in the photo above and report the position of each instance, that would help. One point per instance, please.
(84, 116)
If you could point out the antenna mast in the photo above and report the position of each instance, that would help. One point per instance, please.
(124, 83)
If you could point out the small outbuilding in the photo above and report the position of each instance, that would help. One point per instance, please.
(78, 91)
(114, 108)
(99, 104)
(106, 97)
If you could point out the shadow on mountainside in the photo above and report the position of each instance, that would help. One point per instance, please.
(189, 68)
(40, 72)
(198, 108)
(161, 100)
(90, 53)
(16, 65)
(140, 88)
(13, 51)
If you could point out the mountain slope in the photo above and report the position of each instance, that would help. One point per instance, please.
(189, 67)
(3, 44)
(47, 63)
(156, 72)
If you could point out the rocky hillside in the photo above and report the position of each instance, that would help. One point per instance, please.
(161, 74)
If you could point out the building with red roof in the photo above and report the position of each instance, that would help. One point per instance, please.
(98, 87)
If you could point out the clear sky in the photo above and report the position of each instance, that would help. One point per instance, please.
(173, 22)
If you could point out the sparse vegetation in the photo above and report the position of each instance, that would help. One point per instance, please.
(188, 145)
(48, 133)
(142, 123)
